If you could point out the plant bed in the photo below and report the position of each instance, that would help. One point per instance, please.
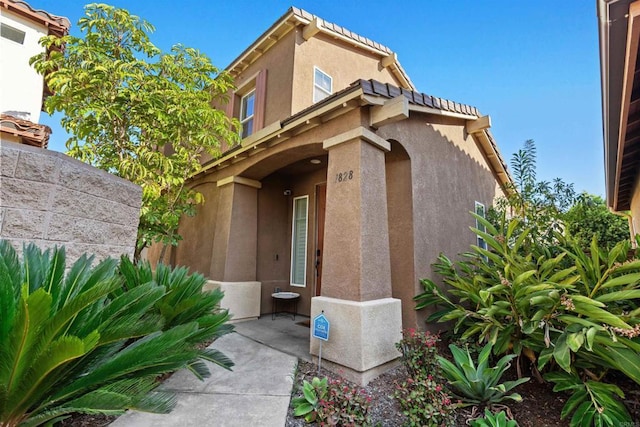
(540, 406)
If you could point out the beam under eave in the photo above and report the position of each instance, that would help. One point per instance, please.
(479, 124)
(389, 60)
(393, 110)
(311, 29)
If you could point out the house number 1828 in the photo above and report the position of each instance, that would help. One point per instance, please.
(344, 176)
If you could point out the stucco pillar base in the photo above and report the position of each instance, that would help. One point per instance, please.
(362, 335)
(242, 299)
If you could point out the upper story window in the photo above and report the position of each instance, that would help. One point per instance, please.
(247, 110)
(322, 85)
(13, 34)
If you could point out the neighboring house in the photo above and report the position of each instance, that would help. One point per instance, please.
(346, 187)
(22, 90)
(619, 30)
(46, 197)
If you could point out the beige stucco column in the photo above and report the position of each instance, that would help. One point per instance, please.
(233, 265)
(356, 274)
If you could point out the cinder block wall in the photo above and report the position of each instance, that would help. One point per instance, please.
(51, 199)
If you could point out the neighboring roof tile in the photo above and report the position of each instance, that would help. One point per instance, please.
(58, 25)
(29, 133)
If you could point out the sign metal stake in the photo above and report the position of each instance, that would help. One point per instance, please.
(320, 331)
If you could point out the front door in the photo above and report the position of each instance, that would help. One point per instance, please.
(321, 203)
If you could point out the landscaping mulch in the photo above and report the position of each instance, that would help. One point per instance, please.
(540, 407)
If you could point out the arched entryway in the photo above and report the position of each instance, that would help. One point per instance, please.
(400, 213)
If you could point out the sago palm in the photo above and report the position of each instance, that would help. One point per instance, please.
(78, 342)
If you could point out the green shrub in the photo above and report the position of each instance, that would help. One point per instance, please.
(78, 342)
(479, 384)
(591, 402)
(574, 311)
(423, 399)
(425, 402)
(332, 402)
(345, 405)
(419, 350)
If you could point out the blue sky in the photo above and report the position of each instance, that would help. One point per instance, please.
(532, 66)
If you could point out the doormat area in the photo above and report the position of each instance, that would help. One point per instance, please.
(306, 322)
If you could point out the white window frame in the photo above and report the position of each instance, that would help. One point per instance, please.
(316, 86)
(293, 240)
(243, 120)
(480, 242)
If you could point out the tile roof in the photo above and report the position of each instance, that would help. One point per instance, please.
(301, 13)
(375, 88)
(29, 133)
(57, 25)
(296, 17)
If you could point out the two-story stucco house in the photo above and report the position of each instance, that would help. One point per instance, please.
(22, 90)
(347, 185)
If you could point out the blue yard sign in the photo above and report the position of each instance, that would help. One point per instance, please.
(321, 327)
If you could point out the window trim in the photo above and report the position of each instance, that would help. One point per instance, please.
(293, 239)
(316, 86)
(480, 242)
(253, 113)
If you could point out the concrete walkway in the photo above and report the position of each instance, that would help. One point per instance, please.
(255, 393)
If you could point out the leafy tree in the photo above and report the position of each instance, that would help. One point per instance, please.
(541, 204)
(137, 112)
(590, 216)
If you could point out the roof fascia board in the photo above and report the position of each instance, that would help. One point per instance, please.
(437, 112)
(631, 53)
(496, 163)
(602, 8)
(312, 28)
(269, 34)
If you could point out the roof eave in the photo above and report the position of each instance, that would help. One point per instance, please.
(56, 25)
(295, 17)
(612, 30)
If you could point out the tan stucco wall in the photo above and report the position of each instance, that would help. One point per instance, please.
(279, 63)
(434, 174)
(345, 64)
(196, 249)
(401, 237)
(449, 173)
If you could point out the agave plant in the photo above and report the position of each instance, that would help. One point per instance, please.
(78, 342)
(493, 420)
(479, 384)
